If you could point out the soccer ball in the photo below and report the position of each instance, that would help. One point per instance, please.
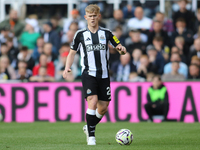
(124, 137)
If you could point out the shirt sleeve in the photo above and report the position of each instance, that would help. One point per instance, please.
(75, 42)
(113, 39)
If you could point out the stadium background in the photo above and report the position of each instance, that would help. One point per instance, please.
(15, 96)
(51, 114)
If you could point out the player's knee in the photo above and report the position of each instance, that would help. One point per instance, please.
(103, 109)
(92, 101)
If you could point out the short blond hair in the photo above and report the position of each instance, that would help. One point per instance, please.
(92, 8)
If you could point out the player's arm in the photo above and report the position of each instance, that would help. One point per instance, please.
(69, 62)
(116, 43)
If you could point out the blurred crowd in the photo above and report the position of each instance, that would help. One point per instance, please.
(156, 44)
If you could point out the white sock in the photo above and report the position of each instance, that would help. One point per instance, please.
(98, 115)
(90, 112)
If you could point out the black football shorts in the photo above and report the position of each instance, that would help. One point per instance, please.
(96, 86)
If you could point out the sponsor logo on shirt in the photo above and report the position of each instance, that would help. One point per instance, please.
(95, 47)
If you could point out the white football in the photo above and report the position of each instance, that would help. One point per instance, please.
(124, 137)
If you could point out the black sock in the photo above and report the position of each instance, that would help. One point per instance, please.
(91, 123)
(97, 120)
(98, 117)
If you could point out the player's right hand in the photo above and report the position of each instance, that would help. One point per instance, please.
(65, 73)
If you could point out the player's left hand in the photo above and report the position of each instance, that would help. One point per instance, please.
(121, 49)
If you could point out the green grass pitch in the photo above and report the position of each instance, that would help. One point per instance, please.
(69, 136)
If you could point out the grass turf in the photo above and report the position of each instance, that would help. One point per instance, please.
(69, 136)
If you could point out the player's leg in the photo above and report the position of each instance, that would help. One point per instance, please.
(90, 93)
(102, 108)
(91, 114)
(104, 96)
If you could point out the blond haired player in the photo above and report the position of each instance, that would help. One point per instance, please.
(92, 42)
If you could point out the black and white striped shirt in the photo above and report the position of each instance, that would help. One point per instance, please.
(94, 50)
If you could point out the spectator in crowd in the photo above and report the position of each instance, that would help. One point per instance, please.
(181, 30)
(74, 18)
(22, 72)
(51, 36)
(51, 57)
(128, 9)
(194, 72)
(135, 40)
(12, 52)
(116, 21)
(3, 75)
(4, 49)
(157, 97)
(175, 49)
(26, 56)
(38, 49)
(195, 60)
(197, 21)
(13, 23)
(156, 58)
(140, 21)
(7, 68)
(69, 35)
(5, 34)
(119, 34)
(184, 13)
(146, 66)
(158, 31)
(42, 76)
(183, 68)
(61, 65)
(136, 54)
(29, 37)
(65, 47)
(162, 49)
(121, 69)
(196, 49)
(43, 61)
(133, 77)
(174, 75)
(167, 24)
(149, 76)
(180, 43)
(55, 23)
